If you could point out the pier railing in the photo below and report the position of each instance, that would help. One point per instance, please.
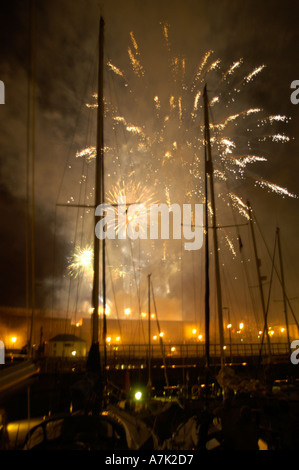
(193, 351)
(136, 355)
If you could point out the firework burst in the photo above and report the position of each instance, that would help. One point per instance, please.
(162, 131)
(130, 193)
(81, 262)
(169, 149)
(174, 143)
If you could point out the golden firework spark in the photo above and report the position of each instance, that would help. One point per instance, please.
(239, 205)
(253, 74)
(89, 153)
(275, 188)
(81, 261)
(232, 69)
(243, 160)
(135, 61)
(275, 138)
(131, 193)
(115, 69)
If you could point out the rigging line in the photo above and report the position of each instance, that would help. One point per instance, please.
(194, 289)
(121, 171)
(268, 302)
(230, 310)
(115, 94)
(244, 265)
(238, 234)
(27, 210)
(141, 321)
(278, 275)
(293, 266)
(53, 269)
(182, 280)
(137, 287)
(78, 221)
(81, 106)
(75, 238)
(114, 295)
(255, 308)
(79, 283)
(31, 160)
(33, 173)
(160, 337)
(135, 278)
(129, 155)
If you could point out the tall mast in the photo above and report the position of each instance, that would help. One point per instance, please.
(209, 172)
(259, 277)
(149, 335)
(283, 285)
(30, 171)
(99, 192)
(207, 264)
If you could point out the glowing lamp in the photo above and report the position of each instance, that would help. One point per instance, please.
(138, 395)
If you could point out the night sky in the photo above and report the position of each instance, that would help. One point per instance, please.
(65, 51)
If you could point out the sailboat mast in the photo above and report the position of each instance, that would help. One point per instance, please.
(99, 187)
(149, 334)
(257, 263)
(283, 285)
(207, 260)
(209, 172)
